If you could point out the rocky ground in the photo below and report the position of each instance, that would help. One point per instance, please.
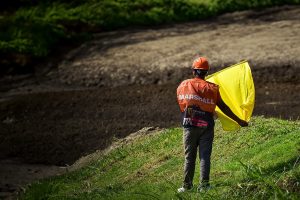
(125, 80)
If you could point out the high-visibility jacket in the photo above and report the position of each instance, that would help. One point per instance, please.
(198, 92)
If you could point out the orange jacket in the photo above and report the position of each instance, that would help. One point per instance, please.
(198, 92)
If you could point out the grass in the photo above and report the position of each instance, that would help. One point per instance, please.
(258, 162)
(36, 28)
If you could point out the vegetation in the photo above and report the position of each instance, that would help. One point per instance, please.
(258, 162)
(35, 28)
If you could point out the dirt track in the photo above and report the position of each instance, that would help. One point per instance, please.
(56, 117)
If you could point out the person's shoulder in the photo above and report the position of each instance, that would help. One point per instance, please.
(183, 84)
(186, 81)
(213, 84)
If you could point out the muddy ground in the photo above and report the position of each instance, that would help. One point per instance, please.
(123, 81)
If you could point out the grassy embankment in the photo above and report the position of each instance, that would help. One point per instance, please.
(33, 29)
(258, 162)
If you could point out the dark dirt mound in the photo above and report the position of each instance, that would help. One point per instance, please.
(59, 127)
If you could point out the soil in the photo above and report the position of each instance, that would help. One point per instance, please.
(125, 80)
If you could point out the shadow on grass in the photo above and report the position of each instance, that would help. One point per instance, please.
(283, 166)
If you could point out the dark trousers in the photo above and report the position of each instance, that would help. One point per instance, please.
(193, 138)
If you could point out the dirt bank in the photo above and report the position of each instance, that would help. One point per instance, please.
(123, 81)
(268, 39)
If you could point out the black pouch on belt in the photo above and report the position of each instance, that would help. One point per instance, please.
(193, 116)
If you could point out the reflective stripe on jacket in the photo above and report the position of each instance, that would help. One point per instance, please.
(197, 92)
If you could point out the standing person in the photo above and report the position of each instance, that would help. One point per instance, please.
(197, 100)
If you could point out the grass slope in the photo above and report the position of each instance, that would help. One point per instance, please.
(258, 162)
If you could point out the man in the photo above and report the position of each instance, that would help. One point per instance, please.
(197, 100)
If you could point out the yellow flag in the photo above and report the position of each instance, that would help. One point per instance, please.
(237, 91)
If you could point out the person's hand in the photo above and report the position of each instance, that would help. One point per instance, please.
(243, 123)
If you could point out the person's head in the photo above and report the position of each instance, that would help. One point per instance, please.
(200, 67)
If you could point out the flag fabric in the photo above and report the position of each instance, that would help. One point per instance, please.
(237, 91)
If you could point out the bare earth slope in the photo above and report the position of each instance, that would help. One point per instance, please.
(125, 80)
(266, 38)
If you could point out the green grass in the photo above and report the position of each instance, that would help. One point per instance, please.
(257, 162)
(36, 28)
